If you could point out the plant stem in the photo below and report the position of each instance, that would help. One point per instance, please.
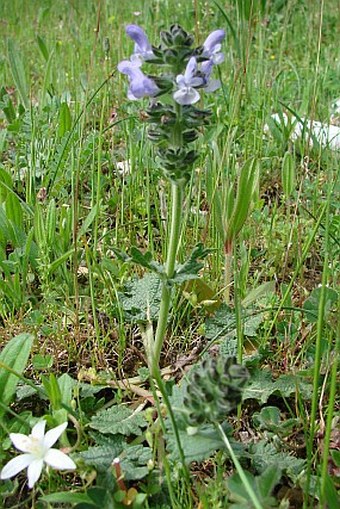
(228, 263)
(175, 229)
(240, 471)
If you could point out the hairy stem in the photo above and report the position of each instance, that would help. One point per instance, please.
(175, 228)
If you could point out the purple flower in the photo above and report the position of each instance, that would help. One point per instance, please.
(212, 46)
(139, 84)
(186, 93)
(210, 85)
(142, 46)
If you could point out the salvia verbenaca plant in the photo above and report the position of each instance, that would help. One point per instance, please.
(214, 389)
(177, 74)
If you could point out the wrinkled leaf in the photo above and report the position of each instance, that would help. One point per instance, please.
(261, 386)
(118, 419)
(141, 298)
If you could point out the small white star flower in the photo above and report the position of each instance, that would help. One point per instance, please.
(37, 449)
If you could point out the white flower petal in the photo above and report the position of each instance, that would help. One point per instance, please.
(53, 434)
(34, 471)
(38, 430)
(186, 95)
(15, 466)
(21, 442)
(57, 459)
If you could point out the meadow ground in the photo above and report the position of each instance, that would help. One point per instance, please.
(85, 224)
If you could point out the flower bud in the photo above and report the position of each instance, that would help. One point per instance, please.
(214, 389)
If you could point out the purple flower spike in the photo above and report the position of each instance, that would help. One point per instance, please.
(186, 93)
(212, 46)
(139, 84)
(142, 46)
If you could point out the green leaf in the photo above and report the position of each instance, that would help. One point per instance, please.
(331, 495)
(202, 444)
(5, 184)
(7, 106)
(68, 497)
(311, 305)
(14, 210)
(15, 356)
(243, 200)
(288, 174)
(134, 460)
(118, 419)
(263, 485)
(222, 325)
(43, 47)
(141, 298)
(42, 362)
(264, 454)
(145, 260)
(190, 269)
(258, 293)
(66, 386)
(101, 456)
(267, 481)
(18, 72)
(261, 386)
(65, 119)
(268, 418)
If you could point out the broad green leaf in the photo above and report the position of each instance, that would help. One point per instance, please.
(66, 385)
(199, 446)
(269, 418)
(133, 458)
(101, 456)
(267, 481)
(222, 325)
(265, 454)
(134, 461)
(118, 419)
(261, 386)
(141, 298)
(15, 356)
